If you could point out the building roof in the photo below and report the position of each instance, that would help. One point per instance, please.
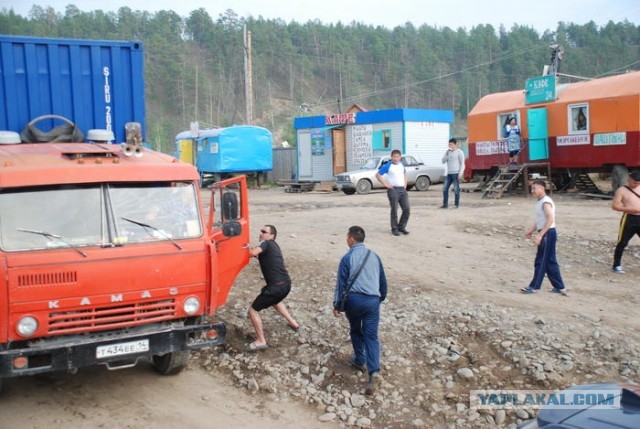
(608, 87)
(382, 116)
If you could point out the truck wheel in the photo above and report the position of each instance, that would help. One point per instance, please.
(423, 183)
(363, 186)
(349, 191)
(171, 363)
(619, 176)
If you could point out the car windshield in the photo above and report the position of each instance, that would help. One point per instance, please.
(60, 216)
(370, 164)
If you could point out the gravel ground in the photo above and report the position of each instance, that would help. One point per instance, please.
(454, 320)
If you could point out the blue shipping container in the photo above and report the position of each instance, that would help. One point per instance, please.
(97, 84)
(237, 149)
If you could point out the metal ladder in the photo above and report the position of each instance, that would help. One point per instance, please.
(502, 182)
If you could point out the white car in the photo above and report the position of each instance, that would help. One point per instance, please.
(362, 181)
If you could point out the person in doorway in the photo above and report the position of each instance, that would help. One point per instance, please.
(512, 134)
(544, 236)
(454, 158)
(277, 288)
(393, 176)
(627, 201)
(360, 288)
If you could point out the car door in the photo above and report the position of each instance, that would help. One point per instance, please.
(412, 168)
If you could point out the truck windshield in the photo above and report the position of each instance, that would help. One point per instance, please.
(91, 215)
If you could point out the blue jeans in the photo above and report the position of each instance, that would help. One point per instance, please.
(451, 178)
(546, 262)
(363, 313)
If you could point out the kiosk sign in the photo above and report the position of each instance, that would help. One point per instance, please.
(540, 89)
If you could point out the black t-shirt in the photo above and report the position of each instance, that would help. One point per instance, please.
(272, 264)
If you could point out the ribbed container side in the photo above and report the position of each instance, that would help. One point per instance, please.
(97, 84)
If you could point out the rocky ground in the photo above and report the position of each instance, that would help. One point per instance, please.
(447, 328)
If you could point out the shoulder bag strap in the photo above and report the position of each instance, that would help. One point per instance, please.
(355, 275)
(632, 191)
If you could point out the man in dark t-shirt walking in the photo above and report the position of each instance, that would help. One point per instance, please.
(277, 288)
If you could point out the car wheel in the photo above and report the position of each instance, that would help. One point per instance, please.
(349, 191)
(363, 186)
(423, 183)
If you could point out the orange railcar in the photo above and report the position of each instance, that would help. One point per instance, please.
(591, 126)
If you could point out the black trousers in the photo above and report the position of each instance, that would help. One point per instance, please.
(398, 196)
(629, 226)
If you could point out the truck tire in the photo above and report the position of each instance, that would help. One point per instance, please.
(619, 176)
(363, 186)
(349, 191)
(422, 183)
(171, 363)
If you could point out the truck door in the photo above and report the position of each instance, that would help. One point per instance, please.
(228, 226)
(538, 134)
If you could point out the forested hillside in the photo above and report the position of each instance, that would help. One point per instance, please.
(194, 65)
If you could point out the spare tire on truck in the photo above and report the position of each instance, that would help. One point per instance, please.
(65, 133)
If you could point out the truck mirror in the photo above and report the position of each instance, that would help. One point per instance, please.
(229, 206)
(231, 229)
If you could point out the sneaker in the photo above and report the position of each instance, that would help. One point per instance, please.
(443, 207)
(562, 291)
(359, 366)
(404, 231)
(374, 382)
(456, 207)
(395, 232)
(618, 269)
(528, 290)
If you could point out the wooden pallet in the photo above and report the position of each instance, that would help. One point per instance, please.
(297, 187)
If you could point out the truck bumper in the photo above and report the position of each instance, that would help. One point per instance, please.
(111, 349)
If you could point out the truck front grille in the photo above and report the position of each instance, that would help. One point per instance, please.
(112, 317)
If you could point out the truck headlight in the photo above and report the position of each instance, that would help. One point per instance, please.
(191, 305)
(27, 326)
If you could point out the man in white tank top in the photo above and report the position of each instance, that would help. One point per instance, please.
(545, 238)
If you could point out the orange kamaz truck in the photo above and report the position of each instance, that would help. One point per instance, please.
(110, 253)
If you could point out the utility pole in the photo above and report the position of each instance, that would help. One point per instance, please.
(248, 73)
(196, 103)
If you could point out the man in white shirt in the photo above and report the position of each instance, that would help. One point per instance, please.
(545, 238)
(394, 177)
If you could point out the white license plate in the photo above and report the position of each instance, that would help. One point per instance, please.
(121, 349)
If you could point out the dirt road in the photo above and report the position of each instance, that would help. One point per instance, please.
(454, 285)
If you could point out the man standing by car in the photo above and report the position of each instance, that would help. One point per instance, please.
(454, 158)
(360, 288)
(393, 176)
(627, 201)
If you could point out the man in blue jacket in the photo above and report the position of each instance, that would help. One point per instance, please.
(362, 269)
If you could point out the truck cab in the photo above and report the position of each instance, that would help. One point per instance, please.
(112, 259)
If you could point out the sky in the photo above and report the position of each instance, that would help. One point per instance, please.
(541, 14)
